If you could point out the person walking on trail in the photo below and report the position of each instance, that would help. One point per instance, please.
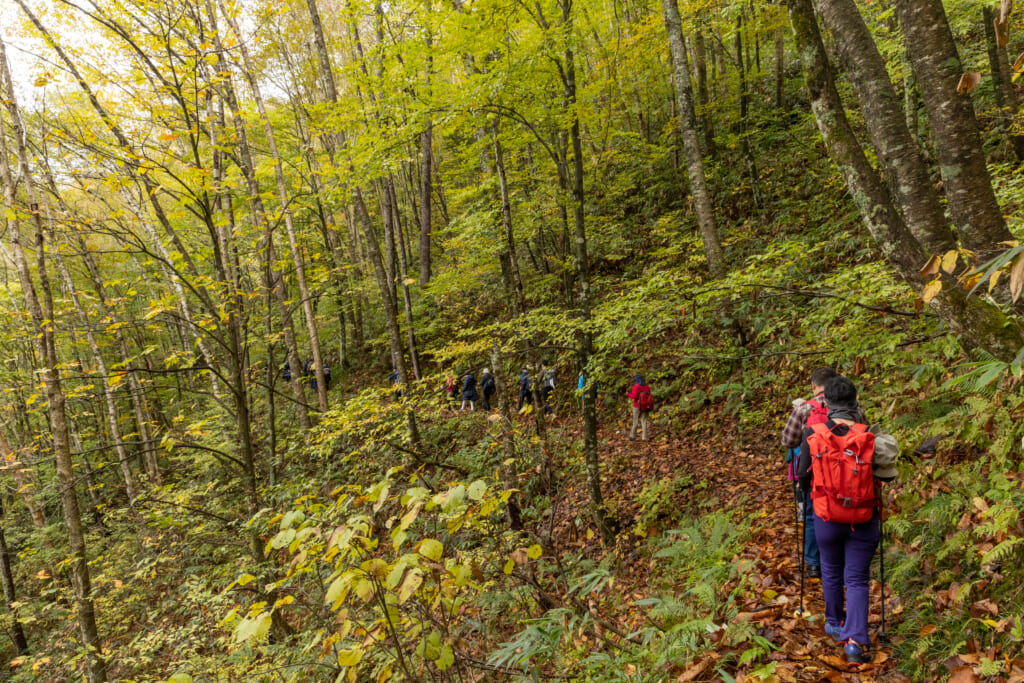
(806, 414)
(488, 387)
(643, 403)
(547, 385)
(449, 391)
(524, 388)
(581, 384)
(469, 394)
(845, 511)
(286, 372)
(393, 378)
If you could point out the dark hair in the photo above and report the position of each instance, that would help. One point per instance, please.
(840, 392)
(638, 379)
(822, 375)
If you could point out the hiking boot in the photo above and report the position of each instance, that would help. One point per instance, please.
(855, 653)
(813, 571)
(834, 631)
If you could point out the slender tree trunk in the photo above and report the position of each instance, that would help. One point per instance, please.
(508, 443)
(909, 181)
(285, 200)
(108, 395)
(273, 279)
(691, 144)
(597, 505)
(45, 343)
(10, 597)
(1002, 82)
(980, 323)
(954, 128)
(703, 99)
(748, 152)
(780, 68)
(516, 280)
(426, 170)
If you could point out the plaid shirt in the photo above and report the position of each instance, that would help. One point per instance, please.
(793, 432)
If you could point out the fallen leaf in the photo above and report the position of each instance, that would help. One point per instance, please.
(968, 82)
(963, 674)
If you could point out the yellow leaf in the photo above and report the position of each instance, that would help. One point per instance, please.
(509, 566)
(949, 260)
(350, 657)
(286, 600)
(413, 580)
(534, 551)
(430, 549)
(245, 578)
(931, 290)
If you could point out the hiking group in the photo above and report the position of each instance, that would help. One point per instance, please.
(308, 375)
(465, 392)
(836, 464)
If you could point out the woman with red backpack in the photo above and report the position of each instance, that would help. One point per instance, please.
(838, 469)
(643, 403)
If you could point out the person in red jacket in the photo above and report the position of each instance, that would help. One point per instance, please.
(642, 405)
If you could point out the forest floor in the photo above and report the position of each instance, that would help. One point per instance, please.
(745, 475)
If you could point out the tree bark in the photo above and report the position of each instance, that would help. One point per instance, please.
(979, 323)
(746, 149)
(597, 505)
(691, 144)
(909, 182)
(954, 128)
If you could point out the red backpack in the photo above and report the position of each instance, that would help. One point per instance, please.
(644, 400)
(843, 488)
(819, 412)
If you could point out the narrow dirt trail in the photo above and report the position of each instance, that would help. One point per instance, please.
(751, 477)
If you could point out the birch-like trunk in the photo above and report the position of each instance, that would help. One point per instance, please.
(691, 143)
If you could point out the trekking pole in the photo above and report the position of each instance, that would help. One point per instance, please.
(883, 637)
(803, 533)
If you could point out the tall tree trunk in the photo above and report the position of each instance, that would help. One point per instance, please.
(954, 128)
(44, 340)
(426, 169)
(403, 266)
(909, 182)
(285, 200)
(597, 505)
(273, 279)
(691, 143)
(979, 323)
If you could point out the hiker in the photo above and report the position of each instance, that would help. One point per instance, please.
(469, 394)
(524, 388)
(547, 385)
(845, 512)
(327, 377)
(286, 372)
(393, 378)
(806, 414)
(643, 403)
(488, 386)
(449, 390)
(581, 384)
